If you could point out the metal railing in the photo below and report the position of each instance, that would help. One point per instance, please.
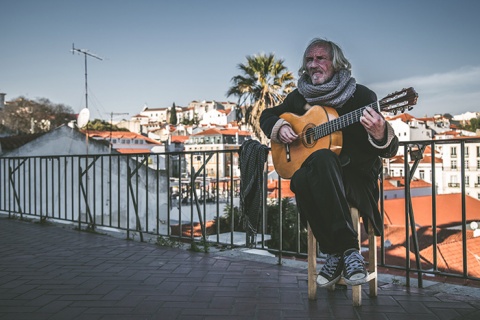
(135, 193)
(414, 151)
(194, 196)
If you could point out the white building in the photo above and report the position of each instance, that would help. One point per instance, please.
(446, 157)
(452, 166)
(216, 139)
(466, 117)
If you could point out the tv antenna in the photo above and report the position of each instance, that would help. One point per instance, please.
(85, 54)
(84, 113)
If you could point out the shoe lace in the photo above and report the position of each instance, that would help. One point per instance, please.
(331, 264)
(354, 262)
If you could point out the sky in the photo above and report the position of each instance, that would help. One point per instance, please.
(156, 53)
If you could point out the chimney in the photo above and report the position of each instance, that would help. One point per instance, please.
(2, 100)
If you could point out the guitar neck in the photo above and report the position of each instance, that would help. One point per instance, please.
(341, 122)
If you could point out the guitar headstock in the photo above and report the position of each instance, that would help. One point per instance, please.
(399, 101)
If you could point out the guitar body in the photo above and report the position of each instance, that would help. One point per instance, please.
(286, 161)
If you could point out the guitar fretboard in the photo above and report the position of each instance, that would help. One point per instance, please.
(341, 122)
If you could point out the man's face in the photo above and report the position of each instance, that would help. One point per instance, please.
(319, 64)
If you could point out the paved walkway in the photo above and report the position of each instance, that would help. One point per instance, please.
(54, 272)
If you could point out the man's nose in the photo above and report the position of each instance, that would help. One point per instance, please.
(315, 63)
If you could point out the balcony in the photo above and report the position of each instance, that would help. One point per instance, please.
(90, 275)
(120, 195)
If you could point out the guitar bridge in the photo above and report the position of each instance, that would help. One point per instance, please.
(287, 152)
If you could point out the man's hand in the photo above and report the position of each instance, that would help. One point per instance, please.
(374, 123)
(286, 134)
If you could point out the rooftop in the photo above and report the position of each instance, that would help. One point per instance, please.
(53, 271)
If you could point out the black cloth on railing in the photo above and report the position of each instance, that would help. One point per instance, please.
(253, 156)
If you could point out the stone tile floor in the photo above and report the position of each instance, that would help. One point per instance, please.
(50, 271)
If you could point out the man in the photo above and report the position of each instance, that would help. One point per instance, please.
(326, 184)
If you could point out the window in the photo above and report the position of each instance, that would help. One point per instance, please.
(478, 164)
(467, 181)
(453, 152)
(453, 182)
(466, 151)
(478, 151)
(422, 174)
(453, 164)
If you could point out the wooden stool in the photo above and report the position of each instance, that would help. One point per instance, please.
(372, 263)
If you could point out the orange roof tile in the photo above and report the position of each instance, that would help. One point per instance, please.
(450, 256)
(448, 207)
(395, 255)
(208, 131)
(393, 183)
(178, 139)
(396, 235)
(405, 117)
(272, 189)
(118, 135)
(425, 159)
(231, 132)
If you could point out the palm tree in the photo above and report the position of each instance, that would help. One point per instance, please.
(265, 82)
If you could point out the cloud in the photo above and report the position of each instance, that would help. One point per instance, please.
(454, 92)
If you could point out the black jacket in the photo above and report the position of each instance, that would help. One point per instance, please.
(360, 158)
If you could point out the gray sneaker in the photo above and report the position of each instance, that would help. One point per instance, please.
(354, 271)
(331, 271)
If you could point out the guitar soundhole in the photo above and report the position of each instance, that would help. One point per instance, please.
(308, 140)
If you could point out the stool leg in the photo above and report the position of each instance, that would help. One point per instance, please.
(312, 265)
(372, 261)
(356, 290)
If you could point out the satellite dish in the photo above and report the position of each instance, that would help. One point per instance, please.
(474, 225)
(83, 118)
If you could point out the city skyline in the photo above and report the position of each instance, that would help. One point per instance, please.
(157, 53)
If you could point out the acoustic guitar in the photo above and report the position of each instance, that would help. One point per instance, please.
(320, 128)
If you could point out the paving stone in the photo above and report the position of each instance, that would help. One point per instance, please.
(53, 272)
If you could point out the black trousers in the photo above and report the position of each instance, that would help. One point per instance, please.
(322, 201)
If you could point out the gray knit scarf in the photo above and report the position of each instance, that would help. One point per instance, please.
(331, 94)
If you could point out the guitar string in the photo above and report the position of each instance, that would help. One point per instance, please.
(333, 125)
(329, 127)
